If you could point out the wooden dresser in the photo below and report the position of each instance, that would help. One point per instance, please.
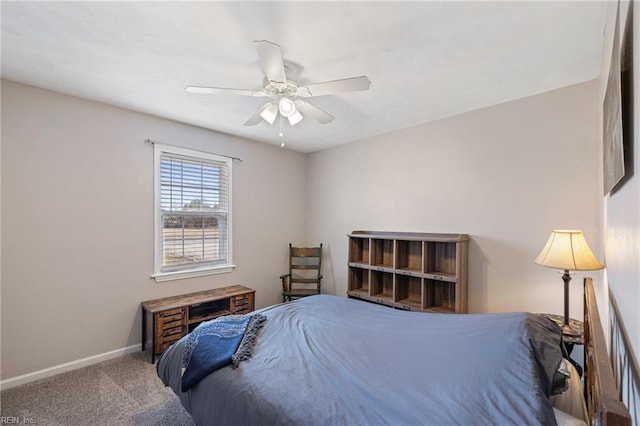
(166, 320)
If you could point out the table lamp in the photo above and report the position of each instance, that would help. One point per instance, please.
(568, 250)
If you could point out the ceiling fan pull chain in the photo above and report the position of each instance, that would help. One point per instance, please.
(281, 134)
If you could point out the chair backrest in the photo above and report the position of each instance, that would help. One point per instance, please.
(305, 262)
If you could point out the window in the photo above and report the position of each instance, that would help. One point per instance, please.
(192, 213)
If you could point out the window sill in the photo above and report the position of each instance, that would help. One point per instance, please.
(179, 275)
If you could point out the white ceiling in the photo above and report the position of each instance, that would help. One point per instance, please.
(426, 60)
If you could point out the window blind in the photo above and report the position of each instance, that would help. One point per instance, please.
(194, 205)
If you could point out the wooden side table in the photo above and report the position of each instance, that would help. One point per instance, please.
(570, 341)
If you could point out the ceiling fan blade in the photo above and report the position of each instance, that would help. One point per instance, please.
(271, 60)
(352, 84)
(314, 112)
(224, 91)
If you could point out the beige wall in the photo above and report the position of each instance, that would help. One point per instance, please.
(506, 175)
(77, 243)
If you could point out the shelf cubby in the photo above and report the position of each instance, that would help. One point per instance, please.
(381, 286)
(409, 255)
(440, 258)
(382, 254)
(408, 292)
(440, 296)
(359, 250)
(199, 312)
(359, 280)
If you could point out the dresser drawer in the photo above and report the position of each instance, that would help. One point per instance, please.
(241, 301)
(170, 327)
(242, 304)
(171, 318)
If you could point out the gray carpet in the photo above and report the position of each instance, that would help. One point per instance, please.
(121, 391)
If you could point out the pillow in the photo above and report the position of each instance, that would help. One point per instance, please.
(571, 401)
(564, 419)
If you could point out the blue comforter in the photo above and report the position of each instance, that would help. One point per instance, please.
(332, 360)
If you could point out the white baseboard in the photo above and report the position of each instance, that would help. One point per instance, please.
(69, 366)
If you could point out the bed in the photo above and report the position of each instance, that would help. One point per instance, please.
(332, 360)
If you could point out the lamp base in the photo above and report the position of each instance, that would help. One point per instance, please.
(567, 330)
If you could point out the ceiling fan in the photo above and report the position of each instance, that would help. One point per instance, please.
(285, 93)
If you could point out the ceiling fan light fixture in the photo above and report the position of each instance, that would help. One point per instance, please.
(269, 112)
(287, 107)
(295, 118)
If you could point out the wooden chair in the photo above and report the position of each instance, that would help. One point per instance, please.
(304, 274)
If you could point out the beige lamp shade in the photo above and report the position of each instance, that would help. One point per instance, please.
(568, 250)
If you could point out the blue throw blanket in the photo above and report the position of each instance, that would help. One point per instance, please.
(217, 343)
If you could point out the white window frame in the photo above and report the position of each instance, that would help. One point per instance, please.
(188, 271)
